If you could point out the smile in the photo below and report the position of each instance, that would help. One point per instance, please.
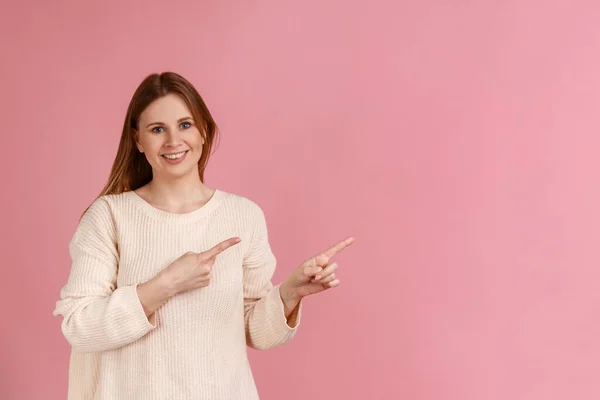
(174, 156)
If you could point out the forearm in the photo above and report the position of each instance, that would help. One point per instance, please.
(289, 298)
(154, 293)
(266, 324)
(98, 324)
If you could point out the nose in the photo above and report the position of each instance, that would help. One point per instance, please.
(173, 138)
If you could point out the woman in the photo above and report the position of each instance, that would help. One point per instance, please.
(171, 279)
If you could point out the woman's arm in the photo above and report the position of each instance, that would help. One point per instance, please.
(153, 294)
(268, 323)
(97, 315)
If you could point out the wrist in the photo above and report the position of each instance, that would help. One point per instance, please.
(164, 285)
(289, 296)
(152, 295)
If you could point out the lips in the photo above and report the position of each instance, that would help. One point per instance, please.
(177, 155)
(178, 160)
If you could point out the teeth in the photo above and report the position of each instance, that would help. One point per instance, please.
(174, 156)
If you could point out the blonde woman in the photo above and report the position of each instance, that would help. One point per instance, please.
(171, 279)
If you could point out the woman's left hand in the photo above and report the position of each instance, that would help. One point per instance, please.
(313, 276)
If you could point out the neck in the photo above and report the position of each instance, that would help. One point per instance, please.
(187, 190)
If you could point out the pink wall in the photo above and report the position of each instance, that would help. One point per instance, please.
(458, 141)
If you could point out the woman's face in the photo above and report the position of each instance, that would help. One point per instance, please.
(169, 137)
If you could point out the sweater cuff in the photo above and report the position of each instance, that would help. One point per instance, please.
(277, 309)
(144, 323)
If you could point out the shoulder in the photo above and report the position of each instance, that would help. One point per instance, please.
(105, 206)
(108, 205)
(96, 225)
(252, 213)
(100, 214)
(243, 204)
(98, 210)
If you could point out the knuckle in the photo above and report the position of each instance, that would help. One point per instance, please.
(322, 259)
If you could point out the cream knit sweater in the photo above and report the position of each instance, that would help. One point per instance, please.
(194, 346)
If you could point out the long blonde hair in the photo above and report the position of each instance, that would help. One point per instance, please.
(131, 169)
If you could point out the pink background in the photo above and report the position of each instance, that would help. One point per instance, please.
(457, 140)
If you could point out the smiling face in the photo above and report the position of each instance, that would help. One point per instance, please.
(169, 137)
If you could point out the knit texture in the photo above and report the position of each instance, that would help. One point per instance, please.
(194, 346)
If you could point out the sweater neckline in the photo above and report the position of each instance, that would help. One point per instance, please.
(167, 216)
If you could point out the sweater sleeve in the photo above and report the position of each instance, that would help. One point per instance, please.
(265, 321)
(98, 316)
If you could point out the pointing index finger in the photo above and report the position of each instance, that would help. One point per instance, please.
(221, 247)
(333, 250)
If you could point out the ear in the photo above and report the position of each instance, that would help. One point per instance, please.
(203, 134)
(136, 138)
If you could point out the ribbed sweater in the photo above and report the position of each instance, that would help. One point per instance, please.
(193, 347)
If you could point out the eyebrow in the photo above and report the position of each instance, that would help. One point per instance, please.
(178, 121)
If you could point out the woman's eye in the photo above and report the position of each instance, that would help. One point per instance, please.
(155, 129)
(186, 125)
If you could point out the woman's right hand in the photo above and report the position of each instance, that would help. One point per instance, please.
(193, 270)
(190, 271)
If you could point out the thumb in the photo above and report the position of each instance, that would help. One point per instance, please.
(310, 271)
